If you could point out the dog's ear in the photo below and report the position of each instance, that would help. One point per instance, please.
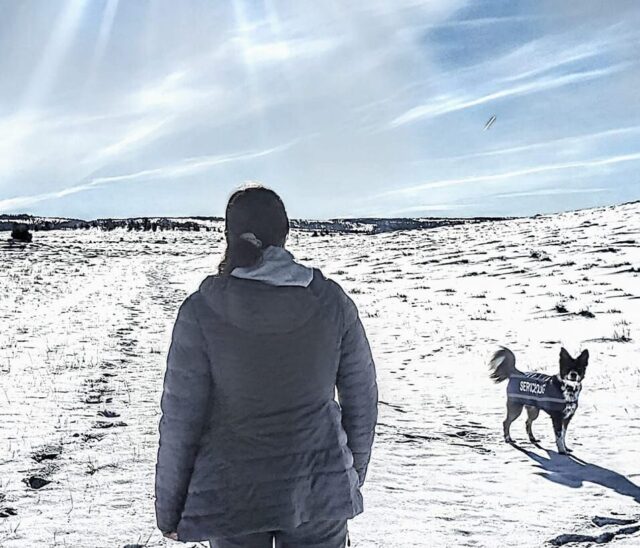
(564, 355)
(583, 358)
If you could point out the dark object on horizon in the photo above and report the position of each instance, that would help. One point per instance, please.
(7, 511)
(21, 233)
(36, 482)
(490, 122)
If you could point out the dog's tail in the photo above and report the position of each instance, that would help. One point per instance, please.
(502, 365)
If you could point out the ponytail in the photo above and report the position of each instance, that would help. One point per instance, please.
(255, 219)
(242, 252)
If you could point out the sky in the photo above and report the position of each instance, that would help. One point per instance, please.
(119, 108)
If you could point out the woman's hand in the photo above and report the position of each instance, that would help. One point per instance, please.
(172, 536)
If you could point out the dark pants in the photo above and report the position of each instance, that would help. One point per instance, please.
(311, 534)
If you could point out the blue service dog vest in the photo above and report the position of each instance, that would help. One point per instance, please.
(536, 390)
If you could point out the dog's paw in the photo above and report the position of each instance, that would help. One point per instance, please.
(508, 439)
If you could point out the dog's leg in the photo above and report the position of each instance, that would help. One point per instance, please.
(513, 412)
(532, 414)
(558, 428)
(565, 425)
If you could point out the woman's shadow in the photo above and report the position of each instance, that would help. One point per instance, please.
(573, 472)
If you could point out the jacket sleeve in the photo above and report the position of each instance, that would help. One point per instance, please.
(357, 389)
(184, 405)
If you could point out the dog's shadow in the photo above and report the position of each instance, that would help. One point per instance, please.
(573, 472)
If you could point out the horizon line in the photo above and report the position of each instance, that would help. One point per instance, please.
(346, 218)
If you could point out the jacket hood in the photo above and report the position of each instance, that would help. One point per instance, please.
(276, 267)
(276, 296)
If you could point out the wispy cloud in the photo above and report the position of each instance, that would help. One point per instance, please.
(176, 171)
(11, 204)
(139, 135)
(445, 105)
(551, 192)
(553, 144)
(478, 22)
(283, 50)
(190, 166)
(497, 177)
(426, 207)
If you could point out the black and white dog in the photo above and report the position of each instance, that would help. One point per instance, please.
(555, 394)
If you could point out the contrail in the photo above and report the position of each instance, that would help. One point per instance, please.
(490, 122)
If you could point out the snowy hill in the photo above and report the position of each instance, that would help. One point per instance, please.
(87, 317)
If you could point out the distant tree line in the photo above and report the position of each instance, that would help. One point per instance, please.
(146, 224)
(366, 225)
(18, 223)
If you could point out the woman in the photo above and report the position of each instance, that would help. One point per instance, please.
(253, 445)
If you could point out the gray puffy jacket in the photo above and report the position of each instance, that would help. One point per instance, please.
(251, 437)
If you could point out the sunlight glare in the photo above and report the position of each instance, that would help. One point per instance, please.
(54, 52)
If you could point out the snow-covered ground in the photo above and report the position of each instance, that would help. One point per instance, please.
(86, 319)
